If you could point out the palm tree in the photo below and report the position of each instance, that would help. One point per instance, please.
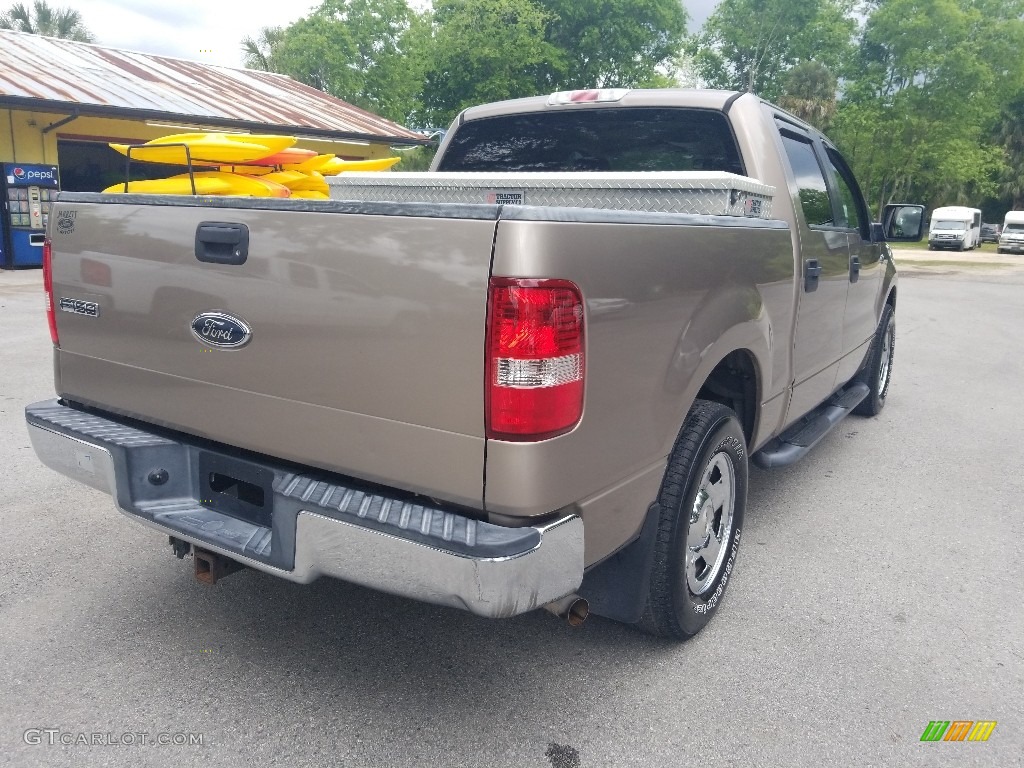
(257, 52)
(809, 92)
(46, 21)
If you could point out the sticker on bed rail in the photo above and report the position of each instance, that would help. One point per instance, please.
(505, 197)
(66, 221)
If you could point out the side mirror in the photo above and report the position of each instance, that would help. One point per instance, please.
(902, 223)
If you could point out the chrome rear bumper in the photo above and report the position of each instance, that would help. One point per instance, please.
(317, 527)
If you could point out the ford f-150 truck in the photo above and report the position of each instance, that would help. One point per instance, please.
(533, 376)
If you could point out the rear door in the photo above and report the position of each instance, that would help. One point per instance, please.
(824, 278)
(865, 270)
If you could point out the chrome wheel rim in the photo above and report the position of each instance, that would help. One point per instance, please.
(886, 367)
(710, 523)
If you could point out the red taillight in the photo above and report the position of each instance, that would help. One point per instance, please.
(51, 317)
(535, 359)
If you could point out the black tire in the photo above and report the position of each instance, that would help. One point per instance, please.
(872, 374)
(711, 442)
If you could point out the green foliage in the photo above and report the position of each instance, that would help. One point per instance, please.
(44, 20)
(418, 159)
(256, 52)
(422, 68)
(486, 50)
(612, 43)
(1009, 137)
(809, 92)
(749, 45)
(319, 52)
(930, 76)
(363, 51)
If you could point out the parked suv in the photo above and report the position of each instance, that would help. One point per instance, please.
(990, 233)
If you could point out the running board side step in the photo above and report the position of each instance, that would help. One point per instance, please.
(795, 443)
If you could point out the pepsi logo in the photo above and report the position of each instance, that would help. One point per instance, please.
(41, 174)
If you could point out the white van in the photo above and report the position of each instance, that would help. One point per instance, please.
(955, 227)
(1012, 238)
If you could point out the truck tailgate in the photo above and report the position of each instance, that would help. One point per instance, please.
(367, 330)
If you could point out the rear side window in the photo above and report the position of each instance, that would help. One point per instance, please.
(810, 182)
(603, 139)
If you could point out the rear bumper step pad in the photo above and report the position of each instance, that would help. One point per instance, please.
(317, 526)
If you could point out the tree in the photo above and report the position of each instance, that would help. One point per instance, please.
(749, 45)
(486, 50)
(612, 43)
(357, 50)
(809, 92)
(43, 20)
(319, 53)
(1009, 136)
(929, 79)
(258, 51)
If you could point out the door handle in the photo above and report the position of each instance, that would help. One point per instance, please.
(812, 271)
(854, 269)
(222, 243)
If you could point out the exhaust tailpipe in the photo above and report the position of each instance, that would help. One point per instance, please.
(572, 608)
(211, 567)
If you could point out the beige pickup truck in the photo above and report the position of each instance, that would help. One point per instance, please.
(531, 377)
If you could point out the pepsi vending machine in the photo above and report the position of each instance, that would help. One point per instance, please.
(26, 192)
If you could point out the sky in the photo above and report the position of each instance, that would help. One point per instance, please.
(211, 30)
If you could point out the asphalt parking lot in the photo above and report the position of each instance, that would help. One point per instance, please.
(880, 587)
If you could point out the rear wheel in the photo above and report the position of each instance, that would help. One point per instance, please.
(877, 370)
(702, 499)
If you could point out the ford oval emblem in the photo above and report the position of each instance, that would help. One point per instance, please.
(219, 329)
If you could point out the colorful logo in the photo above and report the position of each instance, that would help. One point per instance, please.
(34, 173)
(958, 730)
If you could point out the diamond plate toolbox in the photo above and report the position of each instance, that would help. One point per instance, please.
(693, 192)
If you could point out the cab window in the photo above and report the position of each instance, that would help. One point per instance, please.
(810, 181)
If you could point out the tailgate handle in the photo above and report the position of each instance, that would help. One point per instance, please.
(222, 243)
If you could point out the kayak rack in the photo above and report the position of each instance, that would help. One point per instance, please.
(188, 161)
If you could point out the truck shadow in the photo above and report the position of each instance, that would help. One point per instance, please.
(347, 641)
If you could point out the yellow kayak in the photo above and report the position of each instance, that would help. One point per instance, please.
(247, 170)
(337, 165)
(215, 148)
(287, 178)
(314, 182)
(310, 165)
(251, 186)
(175, 186)
(309, 194)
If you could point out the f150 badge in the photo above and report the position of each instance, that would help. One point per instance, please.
(219, 329)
